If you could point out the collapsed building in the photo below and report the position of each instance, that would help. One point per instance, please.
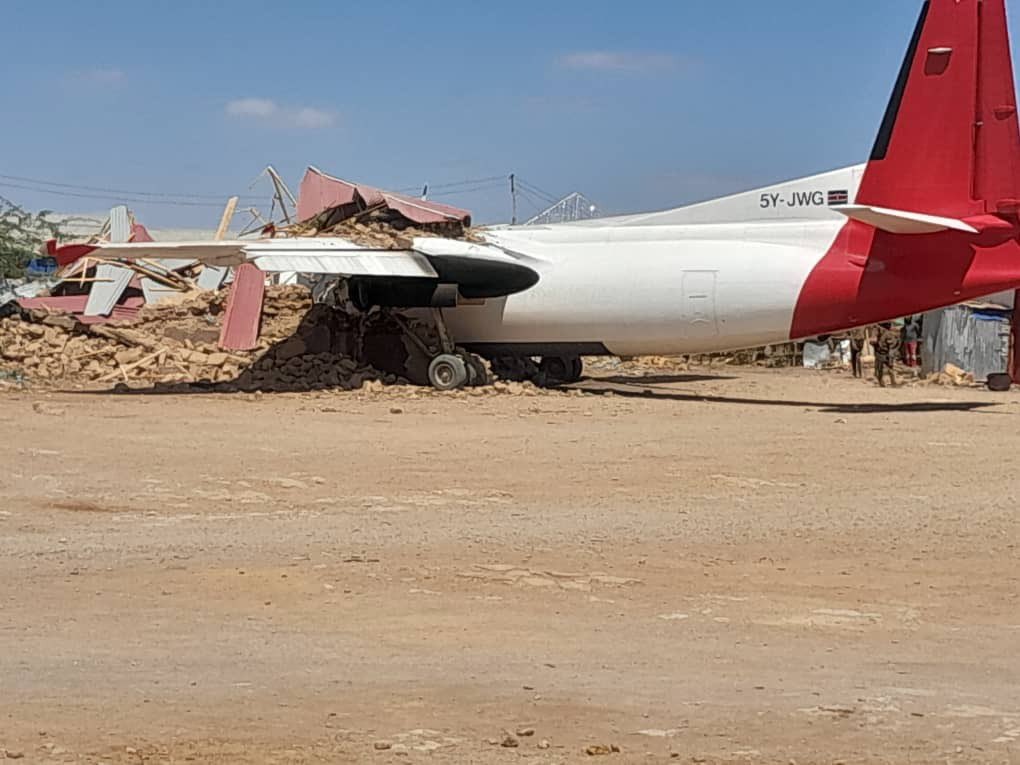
(176, 321)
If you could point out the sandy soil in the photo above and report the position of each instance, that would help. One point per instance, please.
(754, 567)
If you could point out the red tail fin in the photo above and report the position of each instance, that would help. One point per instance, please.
(950, 142)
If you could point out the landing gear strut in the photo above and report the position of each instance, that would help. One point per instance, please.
(451, 368)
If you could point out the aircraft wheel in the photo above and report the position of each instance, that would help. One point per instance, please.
(478, 373)
(576, 369)
(448, 372)
(558, 370)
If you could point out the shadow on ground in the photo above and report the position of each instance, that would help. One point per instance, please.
(635, 388)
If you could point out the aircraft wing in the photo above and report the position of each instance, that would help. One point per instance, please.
(479, 270)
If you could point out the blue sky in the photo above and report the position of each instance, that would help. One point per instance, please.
(640, 105)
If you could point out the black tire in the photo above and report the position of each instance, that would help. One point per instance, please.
(558, 370)
(555, 370)
(576, 369)
(478, 373)
(448, 372)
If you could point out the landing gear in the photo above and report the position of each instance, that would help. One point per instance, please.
(560, 370)
(449, 372)
(550, 371)
(478, 372)
(450, 367)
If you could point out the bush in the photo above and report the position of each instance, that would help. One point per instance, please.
(21, 234)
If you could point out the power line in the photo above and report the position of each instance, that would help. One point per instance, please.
(537, 191)
(490, 179)
(532, 199)
(55, 192)
(433, 187)
(474, 190)
(157, 194)
(77, 191)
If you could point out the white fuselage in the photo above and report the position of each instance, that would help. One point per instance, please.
(683, 281)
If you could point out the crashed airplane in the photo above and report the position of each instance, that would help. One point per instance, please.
(931, 220)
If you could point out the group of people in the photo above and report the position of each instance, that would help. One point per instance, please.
(892, 341)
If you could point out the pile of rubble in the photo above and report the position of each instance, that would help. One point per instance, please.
(380, 227)
(371, 217)
(953, 377)
(301, 348)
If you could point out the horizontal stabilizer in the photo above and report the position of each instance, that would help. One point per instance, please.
(900, 222)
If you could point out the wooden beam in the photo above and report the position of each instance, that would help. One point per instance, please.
(228, 217)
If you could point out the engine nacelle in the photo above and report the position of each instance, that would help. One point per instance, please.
(368, 292)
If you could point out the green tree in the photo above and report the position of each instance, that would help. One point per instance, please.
(21, 234)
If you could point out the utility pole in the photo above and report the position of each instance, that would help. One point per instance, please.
(513, 199)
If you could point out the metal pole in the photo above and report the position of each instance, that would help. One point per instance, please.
(513, 199)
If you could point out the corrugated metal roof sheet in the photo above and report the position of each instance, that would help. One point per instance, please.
(120, 224)
(241, 320)
(212, 277)
(111, 281)
(976, 343)
(321, 192)
(75, 305)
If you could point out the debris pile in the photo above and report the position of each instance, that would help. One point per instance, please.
(371, 217)
(378, 227)
(953, 377)
(176, 343)
(98, 290)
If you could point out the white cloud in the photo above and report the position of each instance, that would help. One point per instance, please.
(269, 112)
(100, 76)
(252, 107)
(312, 119)
(618, 61)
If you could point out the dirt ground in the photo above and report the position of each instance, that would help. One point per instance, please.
(750, 566)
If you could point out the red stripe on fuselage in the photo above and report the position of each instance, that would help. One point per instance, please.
(870, 276)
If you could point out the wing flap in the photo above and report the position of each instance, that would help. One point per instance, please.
(392, 263)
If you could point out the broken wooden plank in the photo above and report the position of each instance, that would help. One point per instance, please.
(211, 277)
(243, 315)
(228, 217)
(129, 337)
(123, 370)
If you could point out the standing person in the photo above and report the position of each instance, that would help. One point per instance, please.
(912, 341)
(858, 338)
(887, 348)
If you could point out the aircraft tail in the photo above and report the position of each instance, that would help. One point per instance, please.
(948, 152)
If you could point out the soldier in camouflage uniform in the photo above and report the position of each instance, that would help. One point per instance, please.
(887, 349)
(858, 339)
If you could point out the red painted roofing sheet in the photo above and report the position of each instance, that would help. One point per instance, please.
(321, 192)
(126, 310)
(244, 309)
(140, 234)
